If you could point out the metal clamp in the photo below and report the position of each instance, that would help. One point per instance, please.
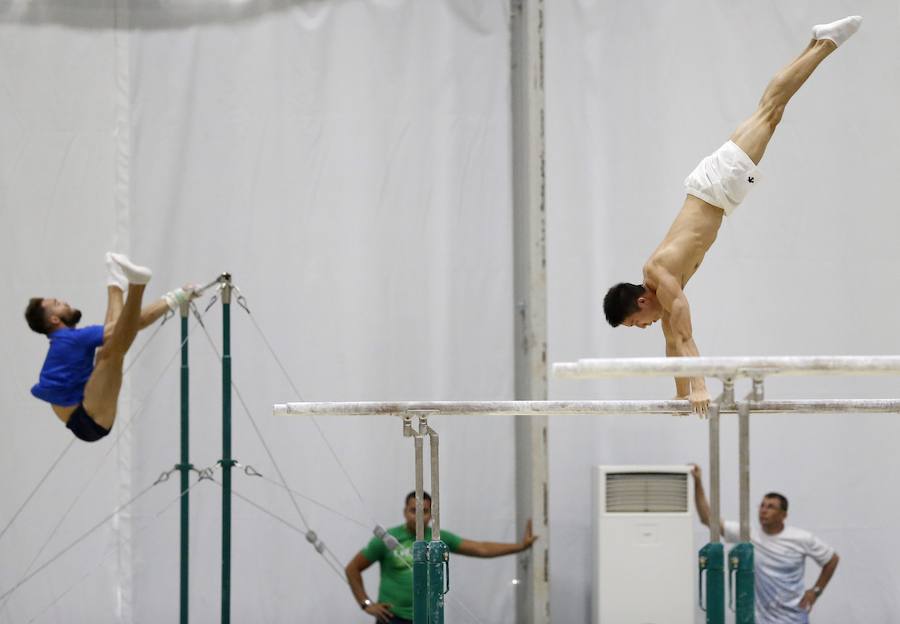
(250, 471)
(241, 300)
(165, 476)
(732, 570)
(703, 564)
(207, 473)
(726, 399)
(758, 392)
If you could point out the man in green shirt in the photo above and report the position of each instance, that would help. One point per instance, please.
(395, 592)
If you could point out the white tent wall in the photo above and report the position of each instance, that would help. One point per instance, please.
(62, 140)
(348, 163)
(637, 93)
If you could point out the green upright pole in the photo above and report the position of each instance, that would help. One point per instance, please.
(185, 466)
(438, 582)
(227, 462)
(712, 560)
(420, 546)
(438, 554)
(420, 582)
(740, 563)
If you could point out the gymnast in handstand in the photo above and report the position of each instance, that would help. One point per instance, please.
(714, 189)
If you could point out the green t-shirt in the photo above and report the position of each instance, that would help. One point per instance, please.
(396, 587)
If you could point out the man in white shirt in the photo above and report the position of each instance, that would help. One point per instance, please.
(779, 559)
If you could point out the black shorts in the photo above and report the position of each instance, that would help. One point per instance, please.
(83, 426)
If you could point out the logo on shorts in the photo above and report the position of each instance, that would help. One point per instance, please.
(750, 179)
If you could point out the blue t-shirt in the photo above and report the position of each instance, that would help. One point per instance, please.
(69, 364)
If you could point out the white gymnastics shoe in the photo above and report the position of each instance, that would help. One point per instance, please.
(134, 273)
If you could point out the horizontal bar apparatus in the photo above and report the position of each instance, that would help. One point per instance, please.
(730, 366)
(574, 408)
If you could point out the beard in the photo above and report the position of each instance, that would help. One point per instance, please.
(71, 319)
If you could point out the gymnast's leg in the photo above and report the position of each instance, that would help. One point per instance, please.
(753, 135)
(122, 323)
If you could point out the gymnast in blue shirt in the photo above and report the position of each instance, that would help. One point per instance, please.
(82, 373)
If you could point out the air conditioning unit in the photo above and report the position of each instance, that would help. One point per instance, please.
(644, 556)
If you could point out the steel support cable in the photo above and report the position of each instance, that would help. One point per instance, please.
(307, 498)
(121, 431)
(459, 603)
(299, 530)
(111, 550)
(314, 419)
(259, 433)
(325, 438)
(333, 563)
(337, 568)
(80, 539)
(37, 487)
(73, 440)
(309, 533)
(311, 536)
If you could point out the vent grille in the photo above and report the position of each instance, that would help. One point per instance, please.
(646, 492)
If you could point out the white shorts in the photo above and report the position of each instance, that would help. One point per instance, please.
(723, 178)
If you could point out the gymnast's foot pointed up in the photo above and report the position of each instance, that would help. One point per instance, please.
(838, 31)
(134, 273)
(116, 276)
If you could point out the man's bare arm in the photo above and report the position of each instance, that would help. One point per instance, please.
(700, 501)
(810, 597)
(673, 301)
(497, 549)
(152, 313)
(354, 572)
(682, 384)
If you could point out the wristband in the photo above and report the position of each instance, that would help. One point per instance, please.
(817, 591)
(365, 604)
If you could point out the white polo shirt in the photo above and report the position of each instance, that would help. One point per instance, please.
(779, 564)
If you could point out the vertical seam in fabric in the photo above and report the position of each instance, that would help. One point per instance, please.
(122, 523)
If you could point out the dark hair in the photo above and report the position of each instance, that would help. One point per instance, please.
(412, 494)
(621, 301)
(36, 316)
(781, 499)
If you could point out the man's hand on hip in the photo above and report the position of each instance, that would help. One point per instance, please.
(380, 610)
(808, 600)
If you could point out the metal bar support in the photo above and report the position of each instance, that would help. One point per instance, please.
(420, 486)
(744, 468)
(712, 556)
(435, 486)
(420, 547)
(715, 532)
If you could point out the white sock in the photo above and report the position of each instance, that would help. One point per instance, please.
(135, 274)
(116, 276)
(838, 31)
